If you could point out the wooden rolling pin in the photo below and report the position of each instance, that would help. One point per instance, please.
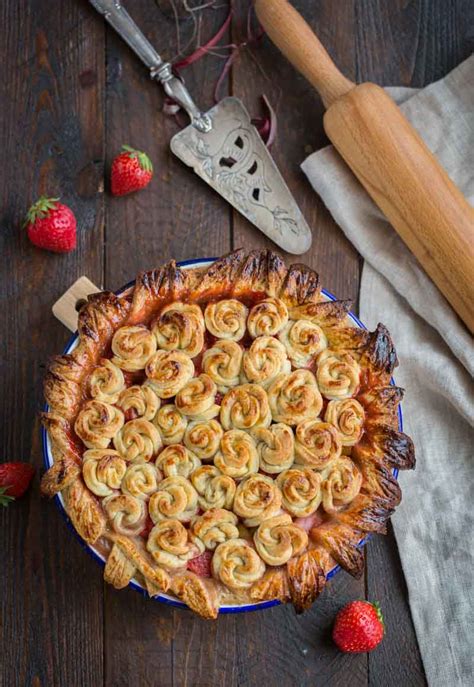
(389, 158)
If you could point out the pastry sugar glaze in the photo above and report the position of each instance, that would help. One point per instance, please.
(229, 411)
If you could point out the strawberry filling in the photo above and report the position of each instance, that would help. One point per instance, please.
(201, 565)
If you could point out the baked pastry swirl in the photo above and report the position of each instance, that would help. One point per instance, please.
(222, 363)
(97, 423)
(215, 526)
(138, 441)
(138, 401)
(264, 361)
(278, 539)
(238, 456)
(226, 319)
(267, 318)
(203, 438)
(295, 397)
(317, 444)
(348, 416)
(228, 414)
(132, 347)
(275, 447)
(106, 382)
(103, 471)
(176, 499)
(338, 374)
(180, 326)
(236, 564)
(245, 407)
(215, 489)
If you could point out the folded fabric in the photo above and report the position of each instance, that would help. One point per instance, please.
(434, 524)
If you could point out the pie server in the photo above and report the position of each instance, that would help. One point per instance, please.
(222, 146)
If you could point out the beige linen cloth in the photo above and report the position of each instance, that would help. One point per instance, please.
(434, 523)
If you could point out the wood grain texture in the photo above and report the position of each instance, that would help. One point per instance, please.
(59, 120)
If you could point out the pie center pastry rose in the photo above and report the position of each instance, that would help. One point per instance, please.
(225, 434)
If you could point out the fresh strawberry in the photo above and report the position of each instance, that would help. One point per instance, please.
(359, 627)
(201, 565)
(15, 479)
(131, 171)
(51, 225)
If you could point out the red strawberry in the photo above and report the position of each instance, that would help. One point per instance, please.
(359, 627)
(15, 479)
(131, 171)
(201, 565)
(51, 225)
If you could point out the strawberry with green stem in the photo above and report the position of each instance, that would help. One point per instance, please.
(15, 479)
(359, 627)
(51, 225)
(131, 171)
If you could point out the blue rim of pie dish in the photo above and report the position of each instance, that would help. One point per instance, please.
(48, 462)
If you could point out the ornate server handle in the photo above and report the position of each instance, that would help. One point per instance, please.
(121, 21)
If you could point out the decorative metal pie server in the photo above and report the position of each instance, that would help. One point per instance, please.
(222, 146)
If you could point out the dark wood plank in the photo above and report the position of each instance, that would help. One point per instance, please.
(51, 130)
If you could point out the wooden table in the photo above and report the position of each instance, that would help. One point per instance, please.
(72, 93)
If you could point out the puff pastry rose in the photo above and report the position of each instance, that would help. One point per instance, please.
(222, 363)
(97, 423)
(338, 374)
(278, 539)
(180, 326)
(301, 491)
(103, 471)
(127, 514)
(168, 372)
(264, 361)
(303, 340)
(138, 440)
(177, 460)
(236, 564)
(172, 545)
(256, 499)
(245, 407)
(132, 347)
(267, 318)
(138, 401)
(197, 398)
(275, 446)
(317, 444)
(171, 424)
(141, 480)
(215, 489)
(176, 498)
(226, 319)
(348, 416)
(203, 438)
(106, 382)
(215, 526)
(238, 455)
(342, 483)
(294, 397)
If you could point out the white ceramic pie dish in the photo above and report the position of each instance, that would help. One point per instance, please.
(168, 598)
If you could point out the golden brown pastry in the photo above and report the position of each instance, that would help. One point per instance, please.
(176, 498)
(138, 401)
(197, 399)
(138, 441)
(348, 416)
(238, 455)
(215, 526)
(171, 424)
(132, 347)
(301, 491)
(275, 446)
(127, 514)
(278, 539)
(180, 326)
(267, 318)
(341, 484)
(168, 372)
(237, 564)
(317, 444)
(303, 340)
(177, 460)
(245, 407)
(294, 397)
(222, 363)
(203, 438)
(106, 382)
(256, 499)
(215, 489)
(141, 480)
(172, 545)
(226, 319)
(264, 361)
(103, 471)
(338, 374)
(97, 423)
